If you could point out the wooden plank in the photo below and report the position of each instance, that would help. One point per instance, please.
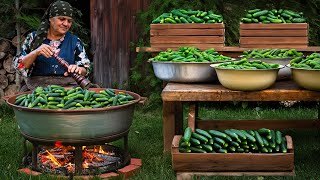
(182, 32)
(273, 40)
(289, 143)
(273, 33)
(283, 46)
(256, 124)
(176, 46)
(189, 175)
(235, 49)
(203, 162)
(280, 91)
(274, 26)
(168, 117)
(187, 26)
(186, 39)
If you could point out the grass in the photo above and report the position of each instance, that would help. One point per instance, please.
(145, 141)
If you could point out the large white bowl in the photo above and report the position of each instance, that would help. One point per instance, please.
(246, 79)
(306, 78)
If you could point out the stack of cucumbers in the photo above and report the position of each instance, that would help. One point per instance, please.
(190, 54)
(188, 16)
(233, 141)
(248, 65)
(310, 62)
(272, 53)
(273, 16)
(56, 97)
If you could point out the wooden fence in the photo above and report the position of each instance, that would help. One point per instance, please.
(113, 27)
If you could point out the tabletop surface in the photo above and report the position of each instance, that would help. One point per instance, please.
(280, 91)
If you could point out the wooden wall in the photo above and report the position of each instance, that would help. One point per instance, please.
(113, 27)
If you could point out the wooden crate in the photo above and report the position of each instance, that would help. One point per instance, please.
(177, 35)
(290, 35)
(237, 163)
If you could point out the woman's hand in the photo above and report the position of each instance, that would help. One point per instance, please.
(44, 50)
(76, 69)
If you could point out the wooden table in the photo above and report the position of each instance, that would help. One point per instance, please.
(174, 94)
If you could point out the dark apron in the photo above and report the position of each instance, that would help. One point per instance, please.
(35, 81)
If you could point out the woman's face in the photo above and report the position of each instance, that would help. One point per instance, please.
(60, 24)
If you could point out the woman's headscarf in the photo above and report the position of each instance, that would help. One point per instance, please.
(56, 8)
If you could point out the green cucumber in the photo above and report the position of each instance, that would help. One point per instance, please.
(197, 150)
(207, 147)
(195, 142)
(203, 133)
(260, 13)
(278, 137)
(187, 134)
(216, 133)
(249, 136)
(199, 137)
(259, 139)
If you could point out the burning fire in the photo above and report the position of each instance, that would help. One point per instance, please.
(63, 156)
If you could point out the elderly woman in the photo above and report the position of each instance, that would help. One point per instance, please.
(36, 63)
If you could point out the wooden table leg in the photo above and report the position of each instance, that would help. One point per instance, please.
(168, 117)
(178, 118)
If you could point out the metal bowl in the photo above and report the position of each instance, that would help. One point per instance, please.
(81, 124)
(284, 73)
(245, 79)
(184, 72)
(306, 78)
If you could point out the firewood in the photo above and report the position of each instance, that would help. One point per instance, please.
(14, 40)
(4, 45)
(7, 64)
(3, 81)
(1, 94)
(3, 72)
(12, 89)
(11, 77)
(2, 55)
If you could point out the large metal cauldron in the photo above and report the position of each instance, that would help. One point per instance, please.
(81, 124)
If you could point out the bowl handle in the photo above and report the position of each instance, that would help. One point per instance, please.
(143, 100)
(5, 98)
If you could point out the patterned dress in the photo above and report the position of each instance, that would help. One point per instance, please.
(71, 49)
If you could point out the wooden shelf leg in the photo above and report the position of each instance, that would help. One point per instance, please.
(168, 117)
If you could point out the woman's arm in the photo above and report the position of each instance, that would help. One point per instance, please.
(81, 59)
(24, 61)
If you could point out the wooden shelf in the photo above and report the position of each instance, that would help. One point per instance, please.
(223, 49)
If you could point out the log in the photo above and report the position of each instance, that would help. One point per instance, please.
(2, 55)
(4, 45)
(3, 81)
(11, 77)
(14, 40)
(12, 89)
(7, 64)
(3, 72)
(1, 93)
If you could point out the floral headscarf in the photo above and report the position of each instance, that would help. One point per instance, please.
(56, 8)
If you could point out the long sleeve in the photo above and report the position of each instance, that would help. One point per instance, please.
(17, 61)
(81, 58)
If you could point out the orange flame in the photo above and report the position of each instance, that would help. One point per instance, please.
(53, 159)
(58, 144)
